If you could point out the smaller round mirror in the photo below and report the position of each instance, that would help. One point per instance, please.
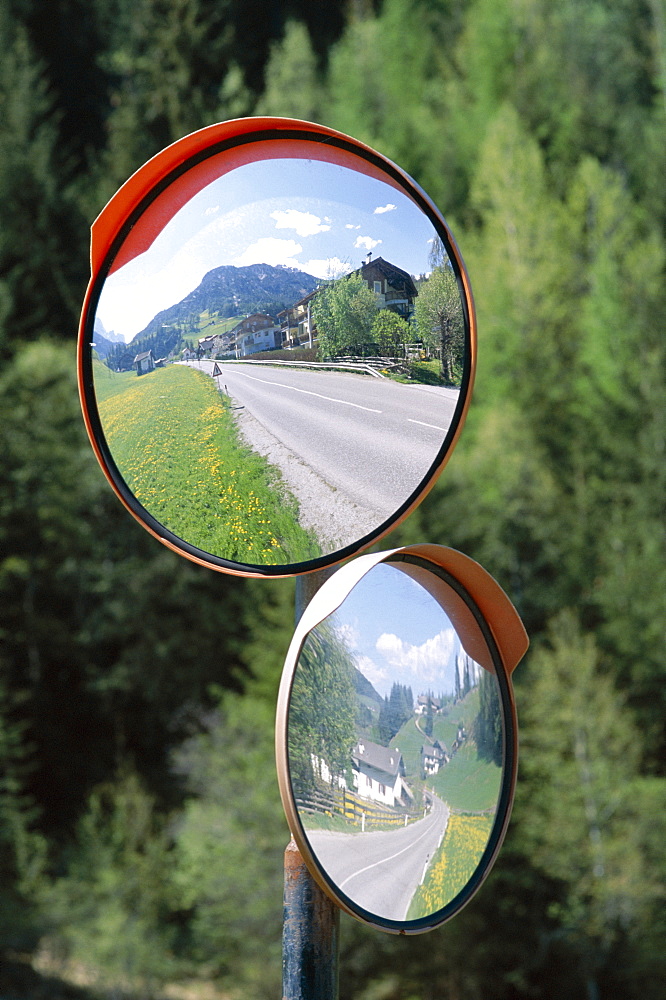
(397, 742)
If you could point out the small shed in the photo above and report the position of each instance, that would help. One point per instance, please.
(144, 362)
(433, 758)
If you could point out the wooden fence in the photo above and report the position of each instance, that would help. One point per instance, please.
(362, 812)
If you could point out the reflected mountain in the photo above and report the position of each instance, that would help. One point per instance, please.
(223, 292)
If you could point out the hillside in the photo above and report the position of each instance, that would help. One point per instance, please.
(368, 704)
(231, 291)
(365, 688)
(225, 292)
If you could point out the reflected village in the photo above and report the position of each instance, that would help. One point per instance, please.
(397, 794)
(376, 319)
(238, 440)
(291, 328)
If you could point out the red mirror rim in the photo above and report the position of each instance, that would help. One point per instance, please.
(184, 167)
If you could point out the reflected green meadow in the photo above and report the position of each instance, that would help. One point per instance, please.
(396, 749)
(176, 447)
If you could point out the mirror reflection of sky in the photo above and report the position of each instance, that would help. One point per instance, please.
(398, 633)
(318, 217)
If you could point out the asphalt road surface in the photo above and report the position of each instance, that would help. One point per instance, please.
(381, 870)
(371, 439)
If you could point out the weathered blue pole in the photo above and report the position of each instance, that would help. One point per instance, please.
(309, 936)
(311, 920)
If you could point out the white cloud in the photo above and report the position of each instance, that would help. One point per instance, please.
(384, 208)
(427, 663)
(377, 676)
(347, 633)
(269, 250)
(303, 223)
(367, 242)
(328, 267)
(212, 210)
(350, 226)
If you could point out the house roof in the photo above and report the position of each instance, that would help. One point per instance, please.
(301, 302)
(140, 357)
(386, 759)
(395, 276)
(266, 321)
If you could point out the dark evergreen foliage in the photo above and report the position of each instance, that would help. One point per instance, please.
(488, 724)
(397, 708)
(539, 128)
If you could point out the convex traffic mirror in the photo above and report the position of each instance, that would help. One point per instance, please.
(276, 348)
(396, 734)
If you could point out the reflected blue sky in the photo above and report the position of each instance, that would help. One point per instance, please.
(398, 633)
(319, 217)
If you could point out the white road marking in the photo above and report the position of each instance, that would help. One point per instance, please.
(384, 860)
(308, 392)
(423, 424)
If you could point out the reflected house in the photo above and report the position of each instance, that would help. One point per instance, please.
(378, 773)
(433, 757)
(206, 346)
(258, 332)
(297, 325)
(144, 362)
(422, 704)
(460, 739)
(222, 344)
(394, 288)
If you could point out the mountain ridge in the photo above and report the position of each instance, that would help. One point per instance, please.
(229, 290)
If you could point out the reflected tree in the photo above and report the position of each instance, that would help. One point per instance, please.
(439, 320)
(344, 312)
(488, 723)
(323, 709)
(390, 332)
(396, 709)
(439, 314)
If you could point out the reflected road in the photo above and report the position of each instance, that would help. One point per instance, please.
(372, 439)
(382, 870)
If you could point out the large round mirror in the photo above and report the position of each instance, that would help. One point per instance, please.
(276, 349)
(397, 740)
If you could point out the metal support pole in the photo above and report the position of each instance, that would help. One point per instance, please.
(311, 920)
(310, 935)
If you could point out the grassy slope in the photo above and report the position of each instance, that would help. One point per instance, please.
(176, 445)
(108, 383)
(209, 327)
(409, 741)
(467, 782)
(452, 865)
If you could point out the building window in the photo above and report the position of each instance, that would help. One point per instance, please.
(378, 287)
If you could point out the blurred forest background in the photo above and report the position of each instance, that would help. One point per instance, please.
(141, 835)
